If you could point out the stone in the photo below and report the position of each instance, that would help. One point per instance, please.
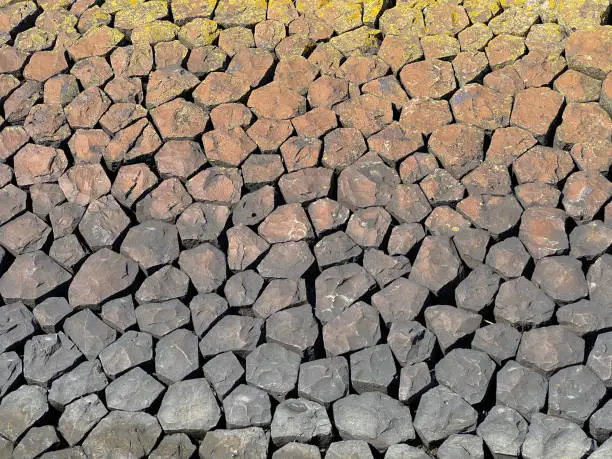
(133, 391)
(383, 421)
(356, 328)
(11, 369)
(24, 234)
(538, 118)
(176, 445)
(584, 317)
(34, 164)
(242, 443)
(36, 441)
(410, 342)
(45, 357)
(119, 313)
(370, 182)
(582, 206)
(467, 372)
(587, 52)
(496, 214)
(478, 289)
(219, 185)
(179, 119)
(297, 450)
(86, 378)
(571, 288)
(508, 258)
(372, 369)
(271, 358)
(414, 380)
(440, 187)
(159, 319)
(599, 423)
(503, 431)
(296, 329)
(17, 106)
(458, 147)
(130, 350)
(103, 223)
(429, 78)
(89, 333)
(599, 358)
(552, 436)
(79, 417)
(464, 445)
(238, 334)
(442, 413)
(324, 380)
(451, 325)
(300, 420)
(367, 113)
(426, 114)
(437, 264)
(286, 260)
(165, 284)
(201, 222)
(205, 255)
(247, 406)
(20, 409)
(223, 372)
(500, 341)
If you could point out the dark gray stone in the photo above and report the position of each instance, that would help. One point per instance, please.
(65, 218)
(585, 317)
(11, 369)
(503, 431)
(189, 407)
(206, 309)
(175, 446)
(574, 393)
(349, 448)
(521, 388)
(125, 434)
(373, 417)
(242, 288)
(239, 334)
(80, 417)
(273, 368)
(461, 446)
(167, 283)
(355, 328)
(590, 240)
(450, 324)
(176, 356)
(600, 423)
(551, 437)
(223, 372)
(151, 244)
(293, 328)
(410, 342)
(16, 325)
(336, 248)
(249, 443)
(401, 300)
(324, 380)
(20, 409)
(25, 233)
(499, 341)
(280, 294)
(385, 268)
(600, 358)
(130, 350)
(549, 349)
(76, 452)
(103, 223)
(339, 287)
(159, 319)
(86, 378)
(119, 313)
(201, 222)
(471, 244)
(286, 260)
(244, 247)
(442, 413)
(508, 258)
(478, 289)
(50, 313)
(205, 265)
(521, 303)
(301, 420)
(68, 252)
(466, 372)
(373, 369)
(599, 278)
(36, 441)
(253, 207)
(404, 238)
(414, 380)
(13, 201)
(45, 357)
(135, 390)
(247, 406)
(437, 264)
(561, 277)
(89, 333)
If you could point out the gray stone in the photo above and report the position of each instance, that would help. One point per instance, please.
(301, 420)
(604, 451)
(167, 283)
(274, 369)
(521, 388)
(31, 277)
(585, 317)
(46, 196)
(11, 369)
(239, 334)
(280, 294)
(223, 372)
(159, 319)
(151, 244)
(373, 369)
(50, 313)
(119, 313)
(68, 252)
(20, 409)
(247, 406)
(189, 407)
(12, 202)
(414, 380)
(132, 349)
(551, 437)
(405, 452)
(249, 443)
(600, 423)
(76, 452)
(441, 413)
(45, 357)
(508, 258)
(324, 380)
(86, 378)
(135, 390)
(205, 265)
(574, 393)
(523, 304)
(103, 223)
(176, 356)
(339, 287)
(385, 268)
(253, 207)
(175, 446)
(503, 431)
(561, 277)
(297, 451)
(242, 288)
(500, 341)
(16, 325)
(293, 328)
(590, 240)
(461, 446)
(23, 234)
(401, 300)
(355, 328)
(89, 333)
(286, 260)
(122, 434)
(373, 417)
(65, 218)
(104, 275)
(549, 349)
(349, 448)
(336, 248)
(6, 448)
(478, 289)
(466, 372)
(599, 278)
(450, 324)
(201, 222)
(600, 358)
(206, 309)
(79, 418)
(437, 264)
(36, 441)
(404, 238)
(410, 342)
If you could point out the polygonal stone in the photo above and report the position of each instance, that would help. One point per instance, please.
(437, 264)
(135, 390)
(410, 342)
(205, 310)
(584, 317)
(271, 358)
(20, 409)
(45, 357)
(373, 369)
(478, 289)
(79, 417)
(499, 341)
(550, 436)
(119, 313)
(297, 451)
(103, 223)
(355, 328)
(242, 288)
(508, 257)
(600, 358)
(159, 319)
(176, 356)
(535, 165)
(241, 443)
(89, 333)
(132, 349)
(296, 329)
(247, 406)
(561, 277)
(223, 372)
(368, 227)
(451, 325)
(232, 333)
(84, 379)
(178, 446)
(414, 379)
(324, 380)
(404, 238)
(496, 214)
(461, 445)
(599, 423)
(300, 420)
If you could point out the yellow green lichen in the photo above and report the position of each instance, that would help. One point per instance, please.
(154, 32)
(199, 32)
(402, 20)
(134, 16)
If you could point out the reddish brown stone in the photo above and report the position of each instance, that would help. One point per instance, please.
(221, 185)
(251, 65)
(103, 223)
(20, 102)
(430, 78)
(120, 116)
(367, 113)
(395, 142)
(136, 142)
(84, 183)
(269, 33)
(170, 54)
(45, 64)
(166, 202)
(131, 183)
(470, 66)
(443, 18)
(537, 194)
(166, 84)
(496, 214)
(488, 178)
(593, 156)
(253, 207)
(459, 147)
(542, 231)
(472, 245)
(327, 91)
(577, 87)
(296, 73)
(231, 115)
(326, 58)
(583, 122)
(368, 227)
(417, 166)
(270, 134)
(294, 46)
(276, 102)
(426, 115)
(46, 124)
(179, 119)
(342, 147)
(205, 59)
(7, 84)
(536, 109)
(437, 265)
(408, 204)
(543, 164)
(606, 94)
(398, 51)
(125, 90)
(504, 50)
(441, 187)
(475, 37)
(286, 223)
(327, 215)
(315, 123)
(219, 88)
(305, 184)
(87, 108)
(93, 71)
(508, 258)
(478, 105)
(589, 51)
(505, 80)
(227, 148)
(444, 221)
(539, 68)
(235, 39)
(130, 61)
(244, 247)
(388, 88)
(507, 144)
(95, 42)
(546, 37)
(38, 164)
(201, 222)
(23, 234)
(179, 158)
(260, 170)
(443, 47)
(11, 59)
(584, 194)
